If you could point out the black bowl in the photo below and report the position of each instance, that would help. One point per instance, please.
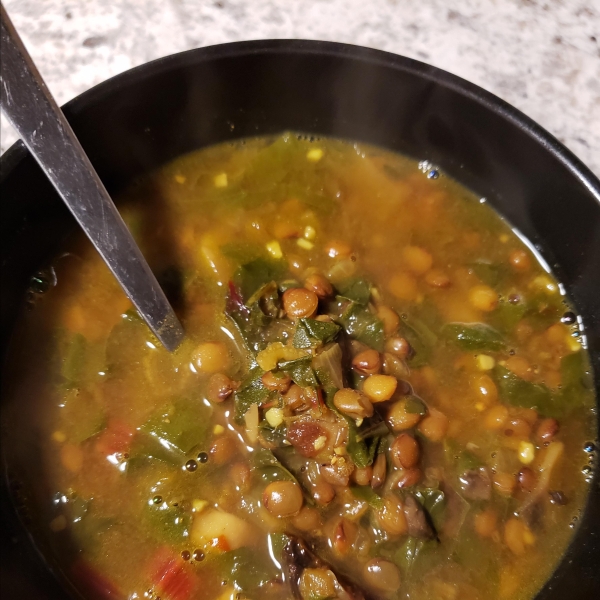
(150, 115)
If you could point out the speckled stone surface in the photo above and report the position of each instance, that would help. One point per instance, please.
(542, 56)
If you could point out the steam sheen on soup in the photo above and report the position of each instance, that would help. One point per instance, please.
(382, 392)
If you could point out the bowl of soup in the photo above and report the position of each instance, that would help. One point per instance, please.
(388, 280)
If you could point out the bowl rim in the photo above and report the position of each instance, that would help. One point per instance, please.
(306, 46)
(10, 159)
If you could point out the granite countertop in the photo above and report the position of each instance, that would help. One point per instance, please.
(542, 56)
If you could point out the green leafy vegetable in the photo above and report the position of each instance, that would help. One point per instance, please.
(473, 336)
(518, 392)
(433, 501)
(489, 273)
(369, 495)
(357, 290)
(83, 415)
(74, 360)
(415, 406)
(362, 325)
(180, 425)
(577, 387)
(251, 391)
(420, 337)
(169, 522)
(245, 568)
(410, 550)
(300, 370)
(270, 468)
(311, 333)
(251, 276)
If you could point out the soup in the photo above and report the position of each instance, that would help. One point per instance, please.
(382, 392)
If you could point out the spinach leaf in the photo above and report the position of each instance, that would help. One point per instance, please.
(518, 392)
(311, 333)
(245, 568)
(508, 314)
(257, 322)
(433, 501)
(362, 325)
(146, 449)
(180, 425)
(368, 494)
(251, 276)
(270, 468)
(420, 337)
(489, 273)
(251, 391)
(410, 550)
(577, 387)
(73, 363)
(300, 371)
(361, 452)
(169, 523)
(277, 542)
(415, 405)
(473, 336)
(83, 415)
(357, 290)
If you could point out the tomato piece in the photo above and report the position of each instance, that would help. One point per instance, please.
(116, 438)
(169, 576)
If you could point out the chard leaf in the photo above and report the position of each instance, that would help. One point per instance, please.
(245, 568)
(410, 550)
(518, 392)
(369, 495)
(180, 425)
(300, 370)
(169, 523)
(83, 416)
(270, 468)
(251, 391)
(357, 290)
(251, 276)
(577, 385)
(420, 337)
(433, 501)
(473, 336)
(311, 333)
(362, 325)
(415, 406)
(359, 450)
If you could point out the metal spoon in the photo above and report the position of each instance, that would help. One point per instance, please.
(33, 112)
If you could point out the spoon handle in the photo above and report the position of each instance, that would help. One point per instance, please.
(33, 112)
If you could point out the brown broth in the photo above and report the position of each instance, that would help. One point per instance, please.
(91, 393)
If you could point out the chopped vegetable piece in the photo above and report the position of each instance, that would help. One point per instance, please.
(311, 333)
(473, 336)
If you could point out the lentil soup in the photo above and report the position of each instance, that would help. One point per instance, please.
(382, 392)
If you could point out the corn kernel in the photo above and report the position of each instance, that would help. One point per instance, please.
(274, 417)
(59, 436)
(543, 282)
(218, 429)
(320, 442)
(339, 450)
(526, 452)
(310, 233)
(198, 505)
(480, 406)
(314, 155)
(274, 249)
(485, 362)
(504, 238)
(305, 244)
(179, 178)
(221, 180)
